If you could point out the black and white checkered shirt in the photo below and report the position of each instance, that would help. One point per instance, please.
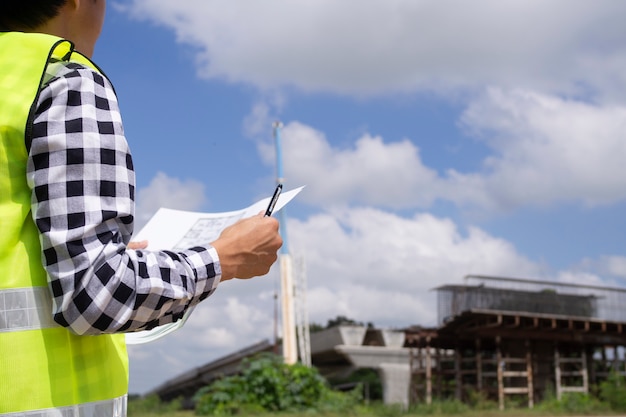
(81, 174)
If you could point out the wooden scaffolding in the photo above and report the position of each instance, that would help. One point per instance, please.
(512, 358)
(512, 340)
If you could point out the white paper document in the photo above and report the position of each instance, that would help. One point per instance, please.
(177, 230)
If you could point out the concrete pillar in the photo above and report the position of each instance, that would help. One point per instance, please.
(393, 366)
(396, 379)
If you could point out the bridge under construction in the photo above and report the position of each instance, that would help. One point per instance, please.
(516, 340)
(510, 340)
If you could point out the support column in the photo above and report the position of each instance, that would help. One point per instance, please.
(396, 379)
(479, 366)
(500, 374)
(529, 373)
(429, 373)
(557, 373)
(591, 368)
(585, 370)
(458, 378)
(439, 372)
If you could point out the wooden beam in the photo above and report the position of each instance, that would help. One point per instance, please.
(500, 376)
(529, 375)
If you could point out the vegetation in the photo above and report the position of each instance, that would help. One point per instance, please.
(268, 387)
(152, 405)
(613, 392)
(267, 384)
(338, 321)
(367, 378)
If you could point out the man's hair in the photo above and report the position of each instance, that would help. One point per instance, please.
(22, 15)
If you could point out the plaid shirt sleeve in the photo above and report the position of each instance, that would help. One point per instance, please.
(83, 185)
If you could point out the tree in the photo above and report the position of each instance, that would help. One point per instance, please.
(338, 321)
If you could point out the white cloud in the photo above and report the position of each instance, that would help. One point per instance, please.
(165, 191)
(615, 266)
(362, 258)
(612, 268)
(263, 113)
(546, 150)
(366, 46)
(258, 120)
(372, 172)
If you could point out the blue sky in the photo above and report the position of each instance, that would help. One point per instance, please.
(436, 140)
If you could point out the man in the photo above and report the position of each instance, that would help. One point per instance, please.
(70, 285)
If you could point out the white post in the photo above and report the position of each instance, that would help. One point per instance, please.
(302, 316)
(290, 352)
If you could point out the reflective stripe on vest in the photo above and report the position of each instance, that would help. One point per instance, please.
(25, 309)
(107, 408)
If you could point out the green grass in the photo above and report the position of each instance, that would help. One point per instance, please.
(391, 412)
(475, 413)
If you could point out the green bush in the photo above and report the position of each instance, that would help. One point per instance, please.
(340, 402)
(266, 384)
(613, 392)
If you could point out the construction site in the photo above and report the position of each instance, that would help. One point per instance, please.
(511, 341)
(516, 341)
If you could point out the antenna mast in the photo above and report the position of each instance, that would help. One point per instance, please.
(290, 353)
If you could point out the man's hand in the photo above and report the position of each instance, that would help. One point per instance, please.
(249, 247)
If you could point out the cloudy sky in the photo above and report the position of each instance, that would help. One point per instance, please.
(436, 139)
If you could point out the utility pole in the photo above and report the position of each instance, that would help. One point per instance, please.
(290, 353)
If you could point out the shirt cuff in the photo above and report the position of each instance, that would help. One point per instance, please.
(217, 267)
(206, 264)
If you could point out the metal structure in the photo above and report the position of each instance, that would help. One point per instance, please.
(295, 327)
(290, 353)
(531, 296)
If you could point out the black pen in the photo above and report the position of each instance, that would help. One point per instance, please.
(270, 207)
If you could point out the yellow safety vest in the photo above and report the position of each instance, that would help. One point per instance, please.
(45, 370)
